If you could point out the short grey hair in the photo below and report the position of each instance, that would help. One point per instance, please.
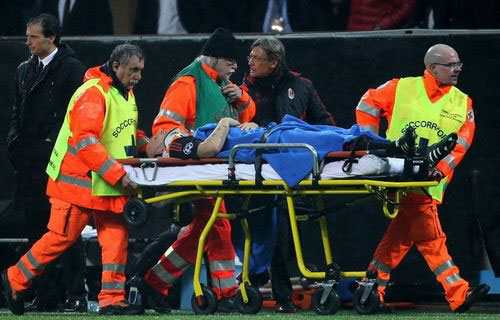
(209, 61)
(123, 52)
(274, 49)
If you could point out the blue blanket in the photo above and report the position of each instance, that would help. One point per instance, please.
(292, 165)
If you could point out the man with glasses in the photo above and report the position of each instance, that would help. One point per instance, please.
(201, 93)
(435, 108)
(277, 91)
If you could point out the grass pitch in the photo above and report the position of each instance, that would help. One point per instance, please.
(437, 312)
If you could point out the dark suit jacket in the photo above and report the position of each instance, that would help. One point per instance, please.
(88, 17)
(41, 101)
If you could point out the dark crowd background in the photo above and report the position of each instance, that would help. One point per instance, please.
(342, 66)
(120, 17)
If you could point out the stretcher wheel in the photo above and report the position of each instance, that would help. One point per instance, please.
(183, 214)
(254, 300)
(331, 305)
(371, 304)
(206, 304)
(136, 212)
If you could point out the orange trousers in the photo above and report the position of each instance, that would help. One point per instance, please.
(65, 226)
(418, 223)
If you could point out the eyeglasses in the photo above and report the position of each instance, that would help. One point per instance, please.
(256, 58)
(230, 62)
(451, 65)
(233, 61)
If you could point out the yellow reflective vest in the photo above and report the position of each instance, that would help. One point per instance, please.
(119, 129)
(432, 121)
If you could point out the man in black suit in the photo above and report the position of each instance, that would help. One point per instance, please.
(43, 86)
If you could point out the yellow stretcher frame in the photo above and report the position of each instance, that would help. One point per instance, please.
(185, 191)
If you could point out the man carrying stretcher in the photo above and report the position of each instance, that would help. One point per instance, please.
(434, 107)
(201, 93)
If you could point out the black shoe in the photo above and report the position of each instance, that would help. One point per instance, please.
(285, 307)
(74, 305)
(473, 296)
(227, 305)
(122, 308)
(15, 306)
(33, 306)
(406, 144)
(156, 300)
(385, 308)
(37, 305)
(438, 151)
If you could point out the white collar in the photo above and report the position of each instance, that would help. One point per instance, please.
(48, 58)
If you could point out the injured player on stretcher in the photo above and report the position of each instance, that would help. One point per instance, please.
(218, 139)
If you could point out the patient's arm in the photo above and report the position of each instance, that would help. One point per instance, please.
(181, 145)
(214, 143)
(155, 145)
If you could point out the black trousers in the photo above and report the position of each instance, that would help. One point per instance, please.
(283, 251)
(280, 275)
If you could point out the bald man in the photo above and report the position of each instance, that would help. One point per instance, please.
(437, 110)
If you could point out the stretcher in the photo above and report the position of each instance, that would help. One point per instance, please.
(222, 177)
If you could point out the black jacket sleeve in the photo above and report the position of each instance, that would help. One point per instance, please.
(316, 112)
(74, 71)
(16, 112)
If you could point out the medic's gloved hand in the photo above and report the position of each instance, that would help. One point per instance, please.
(435, 175)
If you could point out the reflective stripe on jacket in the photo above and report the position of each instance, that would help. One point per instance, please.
(83, 143)
(432, 121)
(379, 103)
(178, 108)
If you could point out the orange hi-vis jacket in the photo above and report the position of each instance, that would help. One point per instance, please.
(379, 103)
(178, 108)
(85, 152)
